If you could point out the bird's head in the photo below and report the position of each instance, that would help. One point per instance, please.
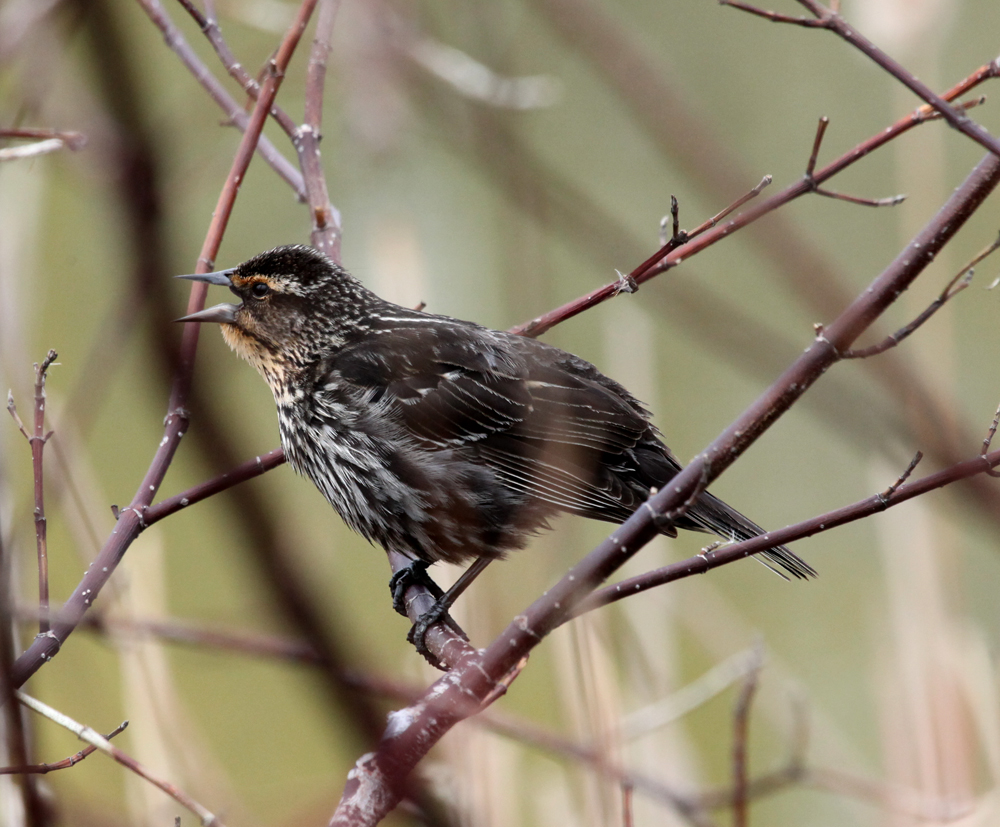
(293, 301)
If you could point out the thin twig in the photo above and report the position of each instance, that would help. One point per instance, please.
(830, 19)
(234, 112)
(41, 523)
(741, 730)
(248, 470)
(664, 259)
(958, 283)
(677, 236)
(69, 139)
(888, 201)
(989, 438)
(12, 410)
(325, 218)
(824, 122)
(37, 440)
(739, 202)
(132, 522)
(773, 16)
(886, 495)
(98, 741)
(66, 763)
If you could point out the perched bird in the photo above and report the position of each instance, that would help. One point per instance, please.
(437, 437)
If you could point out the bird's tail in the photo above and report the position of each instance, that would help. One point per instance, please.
(712, 515)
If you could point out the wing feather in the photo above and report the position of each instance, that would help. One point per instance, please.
(549, 429)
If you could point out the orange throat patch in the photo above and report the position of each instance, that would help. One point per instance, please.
(251, 349)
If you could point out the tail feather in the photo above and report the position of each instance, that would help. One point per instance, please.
(712, 515)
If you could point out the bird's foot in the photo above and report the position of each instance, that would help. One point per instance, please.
(438, 613)
(414, 574)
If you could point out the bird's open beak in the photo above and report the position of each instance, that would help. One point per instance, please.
(221, 313)
(220, 277)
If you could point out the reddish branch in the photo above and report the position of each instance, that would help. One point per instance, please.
(209, 24)
(175, 40)
(897, 493)
(827, 18)
(961, 280)
(132, 518)
(66, 763)
(374, 785)
(671, 254)
(248, 470)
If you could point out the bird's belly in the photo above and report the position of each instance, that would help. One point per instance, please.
(349, 469)
(432, 505)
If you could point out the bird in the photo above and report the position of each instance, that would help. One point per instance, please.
(440, 438)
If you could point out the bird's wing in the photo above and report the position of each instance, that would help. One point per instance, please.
(446, 388)
(546, 427)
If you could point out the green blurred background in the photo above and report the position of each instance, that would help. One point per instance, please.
(498, 212)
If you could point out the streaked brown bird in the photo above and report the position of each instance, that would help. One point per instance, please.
(437, 437)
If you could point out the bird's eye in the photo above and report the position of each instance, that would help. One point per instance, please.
(259, 290)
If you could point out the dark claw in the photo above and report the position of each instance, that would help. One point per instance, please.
(418, 632)
(414, 574)
(438, 613)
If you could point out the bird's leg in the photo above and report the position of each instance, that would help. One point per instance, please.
(444, 602)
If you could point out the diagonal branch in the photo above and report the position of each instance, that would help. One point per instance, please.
(234, 112)
(209, 24)
(132, 520)
(670, 254)
(827, 18)
(66, 763)
(375, 784)
(98, 741)
(899, 492)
